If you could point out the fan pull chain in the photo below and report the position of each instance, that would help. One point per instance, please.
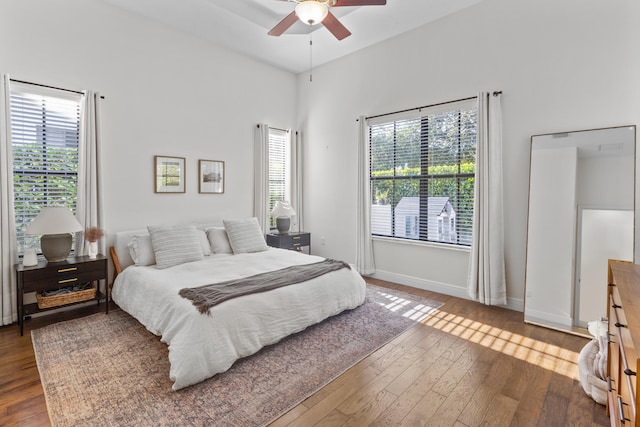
(310, 54)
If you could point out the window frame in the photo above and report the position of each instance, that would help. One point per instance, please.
(425, 229)
(21, 89)
(283, 136)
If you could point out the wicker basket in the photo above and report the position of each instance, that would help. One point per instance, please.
(62, 299)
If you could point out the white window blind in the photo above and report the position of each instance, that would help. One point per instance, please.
(422, 173)
(278, 167)
(45, 129)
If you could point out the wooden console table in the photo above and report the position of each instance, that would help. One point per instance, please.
(623, 362)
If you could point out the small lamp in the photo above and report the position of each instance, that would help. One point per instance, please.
(283, 211)
(55, 224)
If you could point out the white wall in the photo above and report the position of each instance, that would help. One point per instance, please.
(166, 93)
(562, 65)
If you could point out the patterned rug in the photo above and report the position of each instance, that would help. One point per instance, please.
(109, 370)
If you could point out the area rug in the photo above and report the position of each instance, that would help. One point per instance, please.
(109, 370)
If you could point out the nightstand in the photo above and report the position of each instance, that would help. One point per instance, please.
(51, 276)
(293, 240)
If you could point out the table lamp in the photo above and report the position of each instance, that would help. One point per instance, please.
(283, 211)
(55, 224)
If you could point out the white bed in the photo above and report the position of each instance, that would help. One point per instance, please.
(201, 345)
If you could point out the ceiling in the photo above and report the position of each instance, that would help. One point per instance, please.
(242, 25)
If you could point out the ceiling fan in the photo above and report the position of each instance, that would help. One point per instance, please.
(317, 11)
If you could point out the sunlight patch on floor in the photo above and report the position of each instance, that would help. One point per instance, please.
(411, 309)
(548, 356)
(539, 353)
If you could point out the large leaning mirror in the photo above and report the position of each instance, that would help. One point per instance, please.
(581, 213)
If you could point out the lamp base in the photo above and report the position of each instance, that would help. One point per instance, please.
(56, 247)
(283, 223)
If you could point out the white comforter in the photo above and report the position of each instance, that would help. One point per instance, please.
(201, 346)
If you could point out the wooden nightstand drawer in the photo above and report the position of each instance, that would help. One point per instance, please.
(45, 270)
(61, 281)
(295, 241)
(62, 275)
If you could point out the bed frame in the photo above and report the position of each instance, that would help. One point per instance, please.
(117, 269)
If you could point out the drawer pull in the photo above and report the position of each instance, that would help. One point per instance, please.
(609, 385)
(614, 305)
(620, 325)
(621, 411)
(74, 279)
(65, 270)
(296, 244)
(611, 284)
(296, 238)
(629, 372)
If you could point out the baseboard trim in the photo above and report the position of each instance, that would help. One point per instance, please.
(515, 304)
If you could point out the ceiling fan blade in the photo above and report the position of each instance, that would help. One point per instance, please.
(360, 3)
(284, 25)
(335, 27)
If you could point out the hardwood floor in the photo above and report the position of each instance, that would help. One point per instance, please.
(466, 365)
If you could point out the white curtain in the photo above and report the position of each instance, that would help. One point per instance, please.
(8, 246)
(90, 205)
(295, 178)
(261, 177)
(487, 282)
(364, 246)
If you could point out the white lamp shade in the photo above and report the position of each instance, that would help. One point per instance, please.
(54, 220)
(311, 12)
(282, 208)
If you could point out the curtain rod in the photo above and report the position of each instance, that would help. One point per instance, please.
(270, 127)
(495, 93)
(49, 87)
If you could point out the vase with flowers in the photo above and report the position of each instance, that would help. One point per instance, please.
(92, 235)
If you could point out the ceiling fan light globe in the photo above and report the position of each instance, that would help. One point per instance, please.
(311, 12)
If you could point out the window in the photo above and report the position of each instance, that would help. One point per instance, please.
(422, 173)
(279, 155)
(45, 131)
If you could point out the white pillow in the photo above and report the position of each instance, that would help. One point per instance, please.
(175, 245)
(219, 240)
(204, 242)
(141, 250)
(245, 235)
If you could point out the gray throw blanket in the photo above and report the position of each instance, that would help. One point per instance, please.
(207, 296)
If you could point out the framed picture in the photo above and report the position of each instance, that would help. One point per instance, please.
(169, 172)
(211, 176)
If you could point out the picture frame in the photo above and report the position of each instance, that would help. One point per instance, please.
(210, 176)
(169, 174)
